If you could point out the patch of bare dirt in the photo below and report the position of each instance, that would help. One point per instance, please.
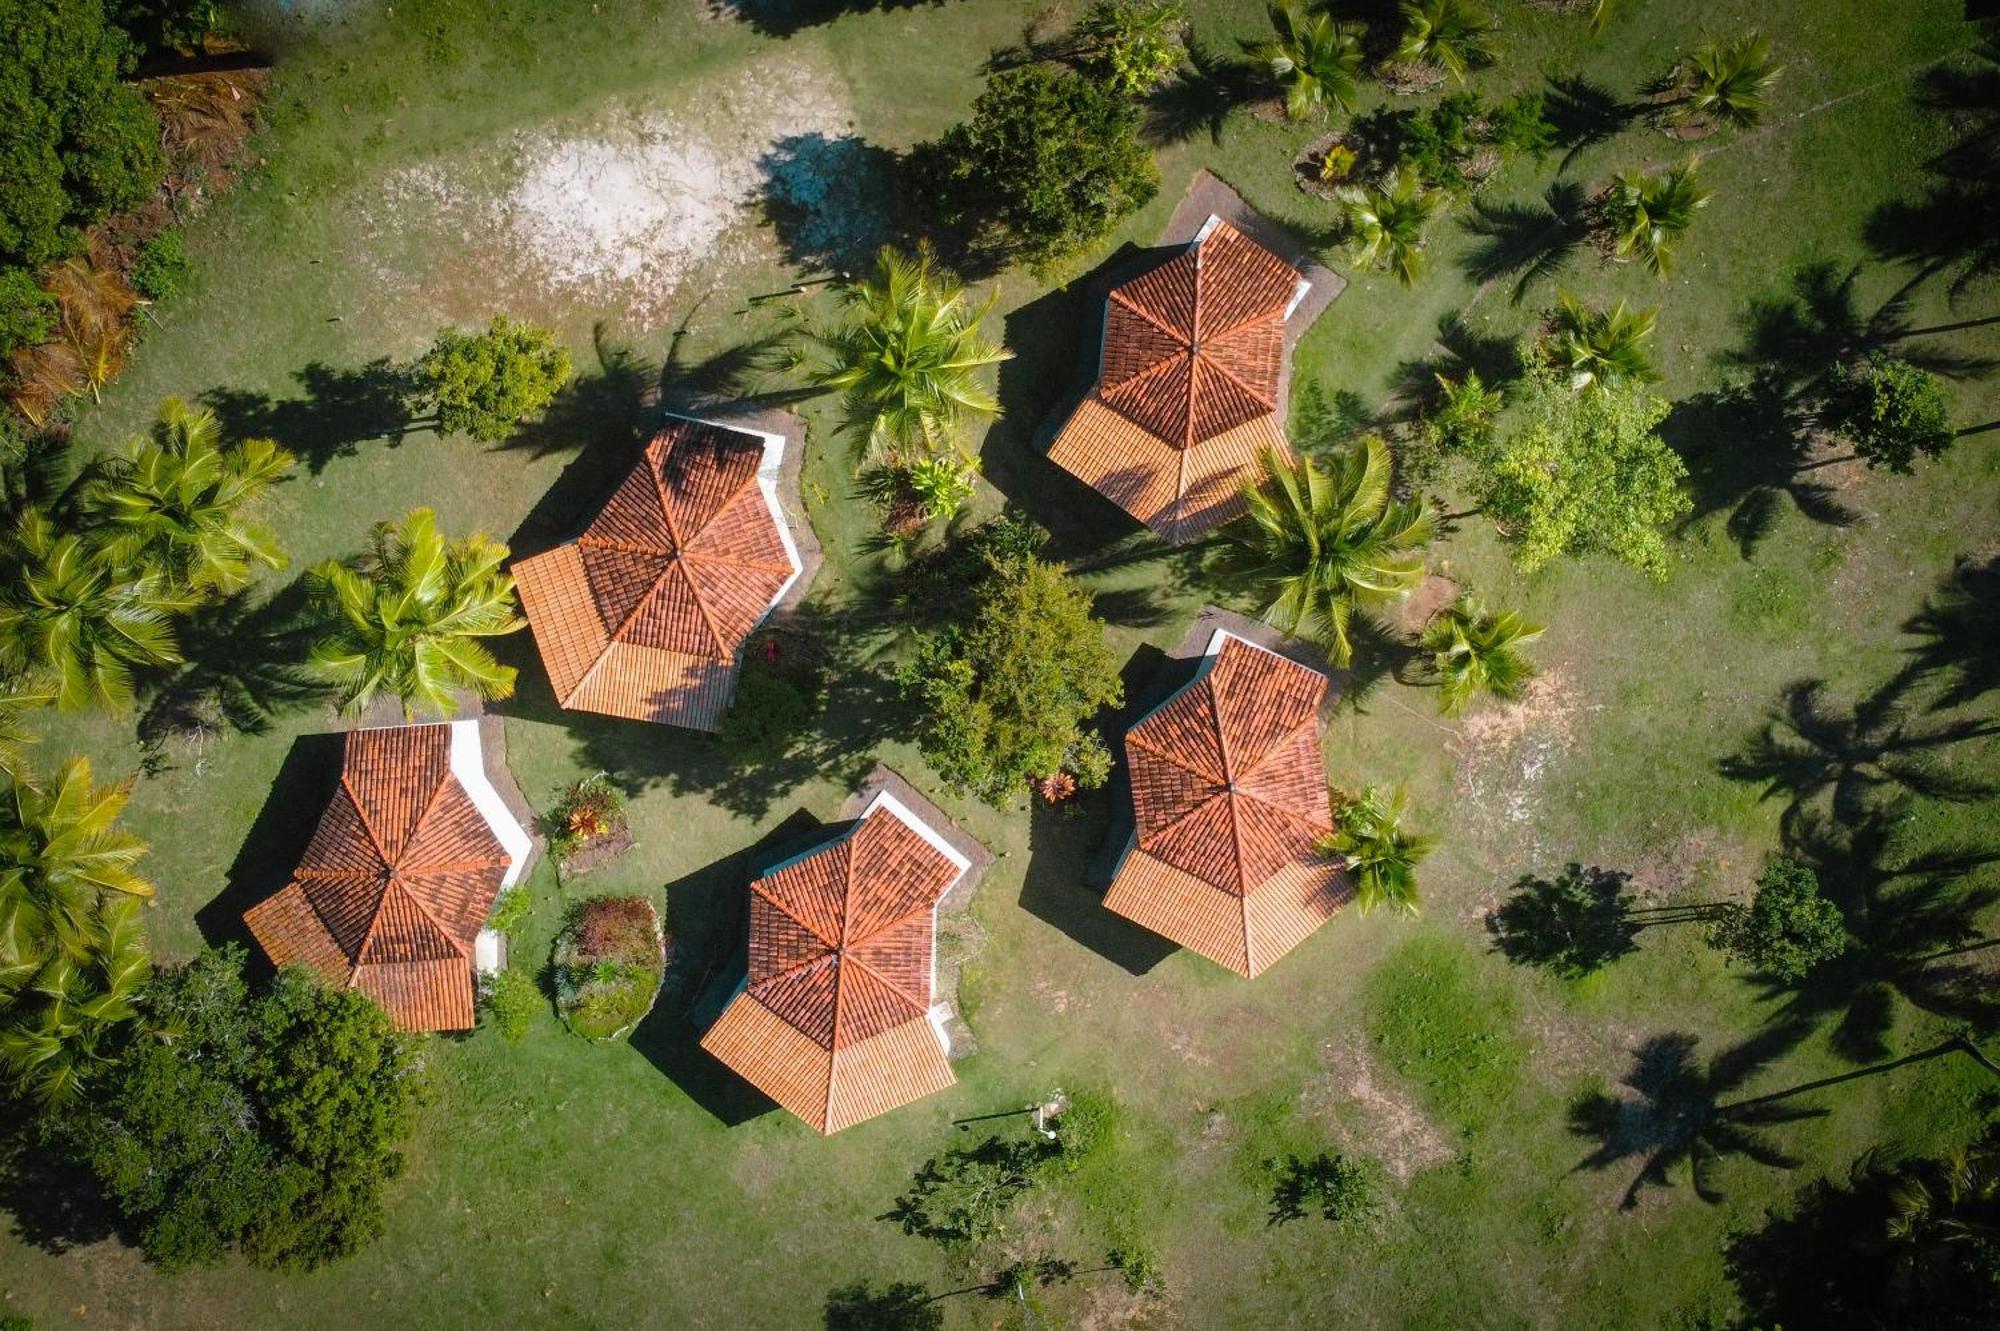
(1367, 1114)
(1700, 862)
(1504, 754)
(1433, 594)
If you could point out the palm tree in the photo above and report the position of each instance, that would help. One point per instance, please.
(60, 1027)
(1316, 60)
(906, 358)
(1385, 223)
(80, 618)
(15, 737)
(1475, 650)
(1723, 81)
(1317, 543)
(1368, 834)
(408, 618)
(1601, 349)
(1453, 35)
(62, 854)
(176, 503)
(1645, 214)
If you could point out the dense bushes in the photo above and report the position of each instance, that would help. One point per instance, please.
(483, 384)
(162, 266)
(79, 144)
(1892, 411)
(268, 1124)
(1005, 696)
(1050, 161)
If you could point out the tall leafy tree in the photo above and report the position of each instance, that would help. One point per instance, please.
(485, 384)
(1050, 161)
(178, 502)
(267, 1123)
(1315, 59)
(1453, 35)
(906, 359)
(1314, 544)
(1787, 929)
(1644, 215)
(1380, 853)
(15, 736)
(81, 618)
(1601, 349)
(407, 619)
(1005, 698)
(1584, 473)
(1723, 82)
(1475, 650)
(1386, 223)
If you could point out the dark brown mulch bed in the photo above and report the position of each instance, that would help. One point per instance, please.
(596, 852)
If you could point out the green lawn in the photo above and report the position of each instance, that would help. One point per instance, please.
(565, 1184)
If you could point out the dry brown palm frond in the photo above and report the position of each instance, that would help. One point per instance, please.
(205, 118)
(91, 296)
(42, 377)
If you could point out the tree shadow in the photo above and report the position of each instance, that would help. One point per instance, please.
(1955, 226)
(1959, 633)
(1327, 1182)
(1678, 1115)
(783, 18)
(245, 665)
(55, 1204)
(1199, 99)
(1750, 453)
(1528, 243)
(1584, 114)
(830, 200)
(1495, 357)
(1811, 748)
(1816, 321)
(341, 409)
(1913, 926)
(709, 911)
(1574, 924)
(305, 782)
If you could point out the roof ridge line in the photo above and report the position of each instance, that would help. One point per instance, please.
(1117, 294)
(422, 909)
(1229, 790)
(921, 1006)
(374, 837)
(1231, 375)
(793, 917)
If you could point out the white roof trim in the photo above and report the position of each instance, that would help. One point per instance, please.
(889, 803)
(1299, 293)
(1214, 220)
(470, 770)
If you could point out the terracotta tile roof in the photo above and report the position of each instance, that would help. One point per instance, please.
(398, 879)
(643, 614)
(832, 1022)
(1229, 801)
(1187, 387)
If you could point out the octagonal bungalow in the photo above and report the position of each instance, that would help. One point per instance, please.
(1229, 802)
(1187, 392)
(395, 887)
(644, 614)
(835, 1019)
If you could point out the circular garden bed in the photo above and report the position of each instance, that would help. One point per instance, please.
(610, 958)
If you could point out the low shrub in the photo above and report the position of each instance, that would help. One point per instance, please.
(587, 811)
(512, 911)
(162, 267)
(779, 696)
(27, 313)
(511, 998)
(1892, 411)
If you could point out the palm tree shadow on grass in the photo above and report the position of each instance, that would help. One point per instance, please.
(1584, 114)
(340, 410)
(1528, 243)
(1959, 634)
(1749, 453)
(1200, 97)
(1913, 926)
(1679, 1114)
(245, 666)
(1495, 358)
(1955, 226)
(1811, 748)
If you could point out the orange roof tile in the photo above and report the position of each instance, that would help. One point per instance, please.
(1229, 803)
(643, 614)
(398, 879)
(832, 1022)
(1187, 387)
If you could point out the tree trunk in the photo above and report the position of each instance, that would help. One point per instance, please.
(1956, 1044)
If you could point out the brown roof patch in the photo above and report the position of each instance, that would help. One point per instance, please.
(1229, 802)
(395, 884)
(1187, 389)
(832, 1022)
(643, 614)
